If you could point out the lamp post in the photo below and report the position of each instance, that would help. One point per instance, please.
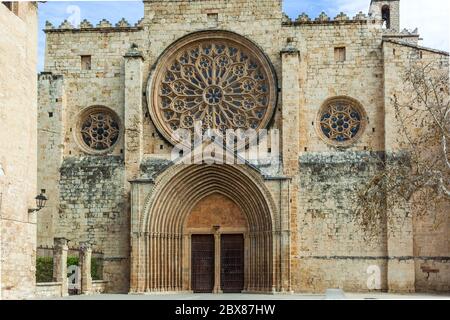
(41, 199)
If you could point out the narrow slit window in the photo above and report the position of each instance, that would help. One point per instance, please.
(213, 19)
(85, 62)
(386, 16)
(340, 54)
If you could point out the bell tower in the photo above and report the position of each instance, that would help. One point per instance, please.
(389, 11)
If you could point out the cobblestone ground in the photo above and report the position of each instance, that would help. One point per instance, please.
(331, 296)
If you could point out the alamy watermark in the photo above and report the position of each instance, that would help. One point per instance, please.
(207, 145)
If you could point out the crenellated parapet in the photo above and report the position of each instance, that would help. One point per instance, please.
(405, 32)
(123, 23)
(44, 75)
(104, 24)
(86, 26)
(323, 18)
(406, 36)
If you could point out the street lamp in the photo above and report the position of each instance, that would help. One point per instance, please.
(41, 199)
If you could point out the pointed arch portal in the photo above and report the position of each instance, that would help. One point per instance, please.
(162, 230)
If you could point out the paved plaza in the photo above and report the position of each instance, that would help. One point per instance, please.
(330, 296)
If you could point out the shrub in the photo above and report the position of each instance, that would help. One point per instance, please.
(44, 269)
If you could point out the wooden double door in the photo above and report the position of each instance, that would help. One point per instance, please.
(204, 260)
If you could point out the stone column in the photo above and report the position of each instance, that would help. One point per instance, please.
(133, 122)
(186, 262)
(85, 266)
(290, 58)
(400, 248)
(133, 112)
(399, 223)
(51, 134)
(217, 288)
(60, 264)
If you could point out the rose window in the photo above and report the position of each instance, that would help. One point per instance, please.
(99, 129)
(216, 80)
(341, 121)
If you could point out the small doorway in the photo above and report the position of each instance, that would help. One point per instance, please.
(232, 263)
(202, 263)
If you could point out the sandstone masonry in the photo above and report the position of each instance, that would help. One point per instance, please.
(132, 203)
(18, 145)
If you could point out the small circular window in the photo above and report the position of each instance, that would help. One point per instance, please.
(341, 121)
(98, 129)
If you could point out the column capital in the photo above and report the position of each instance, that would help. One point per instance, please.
(85, 246)
(133, 52)
(289, 50)
(60, 242)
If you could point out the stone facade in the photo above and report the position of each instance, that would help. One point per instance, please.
(18, 118)
(140, 209)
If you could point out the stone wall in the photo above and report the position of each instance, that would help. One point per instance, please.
(48, 290)
(18, 95)
(102, 85)
(91, 210)
(333, 251)
(99, 286)
(322, 77)
(317, 192)
(431, 232)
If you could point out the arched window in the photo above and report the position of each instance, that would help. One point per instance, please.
(386, 15)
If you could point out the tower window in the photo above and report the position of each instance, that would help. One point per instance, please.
(386, 16)
(339, 54)
(85, 62)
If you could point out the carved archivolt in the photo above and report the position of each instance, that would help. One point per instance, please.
(341, 121)
(160, 249)
(218, 78)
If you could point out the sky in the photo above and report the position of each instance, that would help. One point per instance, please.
(432, 17)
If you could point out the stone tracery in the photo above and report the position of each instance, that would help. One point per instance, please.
(223, 83)
(99, 129)
(341, 121)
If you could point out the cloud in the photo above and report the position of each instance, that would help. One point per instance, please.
(431, 17)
